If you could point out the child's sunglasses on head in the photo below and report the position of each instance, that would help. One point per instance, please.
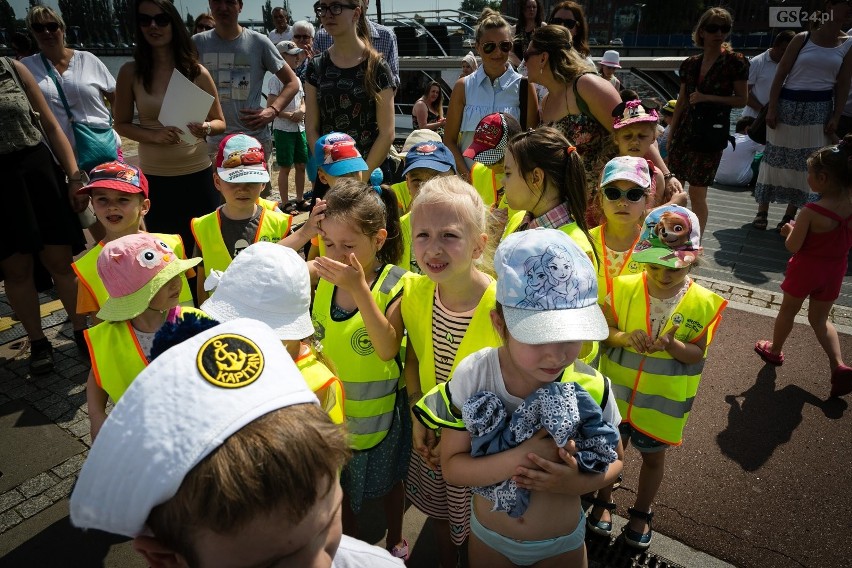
(713, 28)
(567, 22)
(633, 194)
(489, 46)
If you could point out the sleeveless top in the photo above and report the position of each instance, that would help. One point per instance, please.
(483, 97)
(832, 245)
(19, 132)
(816, 67)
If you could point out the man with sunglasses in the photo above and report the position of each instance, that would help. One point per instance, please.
(240, 57)
(282, 31)
(383, 38)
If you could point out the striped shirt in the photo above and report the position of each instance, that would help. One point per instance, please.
(448, 329)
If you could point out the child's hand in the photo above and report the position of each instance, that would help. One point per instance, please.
(639, 341)
(553, 476)
(542, 445)
(346, 276)
(662, 343)
(425, 443)
(788, 228)
(312, 225)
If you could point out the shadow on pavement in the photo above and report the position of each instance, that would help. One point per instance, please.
(761, 418)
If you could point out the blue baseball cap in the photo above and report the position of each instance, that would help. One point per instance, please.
(548, 288)
(337, 155)
(430, 155)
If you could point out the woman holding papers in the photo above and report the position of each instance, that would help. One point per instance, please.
(180, 176)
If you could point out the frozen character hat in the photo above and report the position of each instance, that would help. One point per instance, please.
(241, 160)
(288, 47)
(418, 136)
(118, 176)
(179, 410)
(430, 155)
(337, 155)
(267, 282)
(133, 269)
(489, 140)
(548, 288)
(631, 112)
(611, 58)
(628, 168)
(670, 237)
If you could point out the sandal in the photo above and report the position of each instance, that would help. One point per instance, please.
(634, 538)
(784, 220)
(597, 526)
(841, 381)
(290, 207)
(760, 220)
(400, 552)
(764, 349)
(41, 357)
(304, 205)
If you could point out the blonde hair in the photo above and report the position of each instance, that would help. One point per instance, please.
(711, 14)
(489, 20)
(41, 12)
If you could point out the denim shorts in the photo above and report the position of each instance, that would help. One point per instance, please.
(643, 443)
(528, 552)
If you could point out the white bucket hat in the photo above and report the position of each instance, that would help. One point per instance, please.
(611, 59)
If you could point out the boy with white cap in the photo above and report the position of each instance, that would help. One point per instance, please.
(191, 462)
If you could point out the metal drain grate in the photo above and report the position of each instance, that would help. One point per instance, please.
(613, 553)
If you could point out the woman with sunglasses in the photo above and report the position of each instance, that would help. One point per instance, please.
(179, 172)
(570, 15)
(204, 22)
(476, 95)
(801, 118)
(717, 76)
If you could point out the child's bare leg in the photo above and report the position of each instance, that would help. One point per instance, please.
(575, 559)
(448, 553)
(284, 184)
(601, 513)
(480, 555)
(394, 505)
(650, 479)
(790, 306)
(300, 181)
(350, 521)
(825, 331)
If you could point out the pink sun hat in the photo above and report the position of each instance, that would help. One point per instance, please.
(631, 112)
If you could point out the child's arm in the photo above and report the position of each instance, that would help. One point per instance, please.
(796, 231)
(96, 400)
(564, 476)
(637, 339)
(688, 353)
(297, 239)
(423, 440)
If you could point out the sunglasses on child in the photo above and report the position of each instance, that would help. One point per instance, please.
(633, 194)
(489, 46)
(567, 22)
(162, 20)
(49, 26)
(713, 28)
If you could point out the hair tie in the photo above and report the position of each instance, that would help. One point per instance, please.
(376, 179)
(570, 149)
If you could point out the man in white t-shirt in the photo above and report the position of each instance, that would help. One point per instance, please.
(282, 31)
(737, 167)
(761, 72)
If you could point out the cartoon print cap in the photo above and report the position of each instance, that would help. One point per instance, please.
(631, 112)
(118, 176)
(133, 269)
(489, 140)
(548, 288)
(179, 410)
(627, 168)
(337, 155)
(430, 155)
(241, 160)
(669, 108)
(418, 136)
(670, 237)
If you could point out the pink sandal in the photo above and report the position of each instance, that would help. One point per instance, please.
(841, 381)
(764, 349)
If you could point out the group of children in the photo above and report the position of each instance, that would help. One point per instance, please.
(401, 316)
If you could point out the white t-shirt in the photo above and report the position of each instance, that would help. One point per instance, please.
(480, 371)
(275, 86)
(354, 553)
(761, 72)
(83, 83)
(286, 35)
(735, 167)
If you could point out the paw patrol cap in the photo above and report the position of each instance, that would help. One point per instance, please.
(180, 409)
(240, 159)
(548, 288)
(670, 237)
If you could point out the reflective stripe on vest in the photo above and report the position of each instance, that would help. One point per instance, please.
(86, 269)
(369, 383)
(604, 279)
(655, 392)
(436, 408)
(327, 387)
(417, 308)
(207, 230)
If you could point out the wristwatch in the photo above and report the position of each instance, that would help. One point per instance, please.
(207, 128)
(78, 177)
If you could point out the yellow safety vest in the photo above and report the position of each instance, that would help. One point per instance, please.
(403, 196)
(417, 310)
(267, 204)
(327, 387)
(629, 267)
(116, 355)
(437, 410)
(370, 384)
(86, 269)
(272, 226)
(655, 391)
(487, 183)
(407, 261)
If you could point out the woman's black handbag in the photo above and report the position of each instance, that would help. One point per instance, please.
(711, 127)
(757, 130)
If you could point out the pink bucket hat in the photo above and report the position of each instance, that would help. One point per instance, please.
(133, 269)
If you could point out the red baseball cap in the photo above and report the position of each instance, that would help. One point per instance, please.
(118, 176)
(489, 140)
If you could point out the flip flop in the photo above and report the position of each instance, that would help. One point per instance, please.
(764, 349)
(841, 381)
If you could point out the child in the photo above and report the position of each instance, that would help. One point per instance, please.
(423, 162)
(635, 130)
(240, 177)
(142, 276)
(487, 150)
(270, 283)
(357, 317)
(403, 195)
(625, 187)
(660, 327)
(288, 129)
(741, 158)
(446, 314)
(193, 471)
(609, 63)
(820, 239)
(666, 115)
(541, 343)
(120, 200)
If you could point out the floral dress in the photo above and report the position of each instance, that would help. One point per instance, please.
(699, 168)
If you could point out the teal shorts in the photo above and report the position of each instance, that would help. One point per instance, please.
(528, 552)
(290, 148)
(643, 443)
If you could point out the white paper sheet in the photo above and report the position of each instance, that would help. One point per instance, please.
(184, 102)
